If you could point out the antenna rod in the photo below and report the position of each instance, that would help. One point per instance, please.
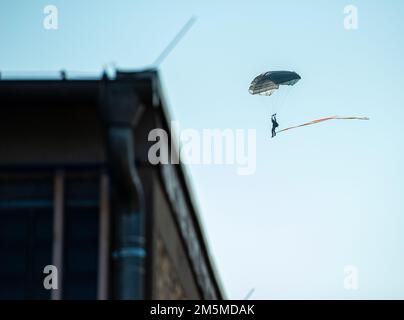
(175, 41)
(249, 294)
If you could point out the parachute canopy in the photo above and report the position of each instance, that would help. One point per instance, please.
(266, 83)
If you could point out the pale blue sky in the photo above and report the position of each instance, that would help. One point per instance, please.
(324, 196)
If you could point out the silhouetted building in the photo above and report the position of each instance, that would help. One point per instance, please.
(77, 191)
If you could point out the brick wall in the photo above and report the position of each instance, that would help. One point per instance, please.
(168, 285)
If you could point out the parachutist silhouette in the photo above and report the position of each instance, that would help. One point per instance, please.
(274, 124)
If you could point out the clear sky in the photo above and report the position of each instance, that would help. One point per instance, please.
(323, 197)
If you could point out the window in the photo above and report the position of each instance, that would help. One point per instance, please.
(25, 235)
(81, 221)
(54, 218)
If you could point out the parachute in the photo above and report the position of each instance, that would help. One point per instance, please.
(268, 82)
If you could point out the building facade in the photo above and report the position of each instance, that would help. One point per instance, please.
(78, 192)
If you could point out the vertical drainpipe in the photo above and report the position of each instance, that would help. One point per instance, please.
(120, 109)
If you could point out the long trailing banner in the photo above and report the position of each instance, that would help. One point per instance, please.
(324, 119)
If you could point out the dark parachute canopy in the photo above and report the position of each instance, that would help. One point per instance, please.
(266, 83)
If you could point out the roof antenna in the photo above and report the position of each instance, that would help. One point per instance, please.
(104, 75)
(249, 294)
(63, 74)
(109, 69)
(174, 42)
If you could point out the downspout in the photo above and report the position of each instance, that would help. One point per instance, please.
(121, 109)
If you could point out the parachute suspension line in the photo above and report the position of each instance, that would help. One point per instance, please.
(322, 120)
(276, 102)
(284, 97)
(273, 103)
(278, 98)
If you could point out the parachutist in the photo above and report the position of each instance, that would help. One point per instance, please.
(267, 83)
(274, 124)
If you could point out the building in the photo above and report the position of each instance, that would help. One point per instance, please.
(77, 192)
